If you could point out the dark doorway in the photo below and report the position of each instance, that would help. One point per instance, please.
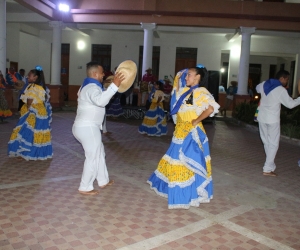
(155, 61)
(272, 71)
(254, 76)
(64, 73)
(185, 58)
(224, 75)
(292, 77)
(101, 53)
(213, 83)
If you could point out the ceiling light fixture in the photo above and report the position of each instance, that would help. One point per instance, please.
(63, 7)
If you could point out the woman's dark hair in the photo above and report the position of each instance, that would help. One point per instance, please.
(160, 84)
(40, 80)
(204, 76)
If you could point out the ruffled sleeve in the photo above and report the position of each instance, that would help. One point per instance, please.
(203, 99)
(34, 92)
(157, 94)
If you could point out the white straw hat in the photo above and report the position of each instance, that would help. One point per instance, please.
(128, 69)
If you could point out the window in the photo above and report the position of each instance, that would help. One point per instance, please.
(102, 53)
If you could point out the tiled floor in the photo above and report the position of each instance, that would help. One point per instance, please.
(40, 207)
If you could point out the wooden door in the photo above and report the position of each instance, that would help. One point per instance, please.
(183, 63)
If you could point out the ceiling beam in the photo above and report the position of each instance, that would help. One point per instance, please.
(40, 8)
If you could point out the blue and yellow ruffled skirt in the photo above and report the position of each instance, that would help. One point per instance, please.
(154, 122)
(31, 138)
(183, 175)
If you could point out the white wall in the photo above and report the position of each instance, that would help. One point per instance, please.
(29, 50)
(12, 43)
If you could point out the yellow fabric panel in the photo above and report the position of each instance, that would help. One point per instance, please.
(31, 120)
(208, 168)
(42, 137)
(41, 109)
(174, 173)
(149, 122)
(14, 133)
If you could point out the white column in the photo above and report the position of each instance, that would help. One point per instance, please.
(244, 60)
(148, 45)
(234, 61)
(3, 36)
(296, 76)
(56, 52)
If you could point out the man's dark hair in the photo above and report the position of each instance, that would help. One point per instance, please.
(282, 73)
(92, 65)
(22, 70)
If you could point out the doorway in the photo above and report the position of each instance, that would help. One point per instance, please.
(254, 76)
(185, 58)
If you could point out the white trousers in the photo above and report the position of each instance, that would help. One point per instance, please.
(144, 97)
(129, 98)
(270, 135)
(104, 129)
(94, 164)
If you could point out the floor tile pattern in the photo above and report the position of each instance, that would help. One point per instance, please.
(41, 208)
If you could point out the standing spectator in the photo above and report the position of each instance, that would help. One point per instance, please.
(22, 73)
(4, 109)
(231, 91)
(147, 79)
(155, 123)
(129, 96)
(31, 138)
(167, 91)
(221, 88)
(14, 81)
(273, 94)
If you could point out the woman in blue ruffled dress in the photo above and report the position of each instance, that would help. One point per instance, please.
(183, 175)
(155, 122)
(114, 108)
(31, 138)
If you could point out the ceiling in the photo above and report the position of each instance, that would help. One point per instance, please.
(178, 17)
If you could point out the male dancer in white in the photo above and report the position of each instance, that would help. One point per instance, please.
(88, 122)
(273, 94)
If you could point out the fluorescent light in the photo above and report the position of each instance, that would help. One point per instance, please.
(64, 7)
(222, 70)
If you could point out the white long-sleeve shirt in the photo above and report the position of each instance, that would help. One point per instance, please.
(270, 105)
(91, 104)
